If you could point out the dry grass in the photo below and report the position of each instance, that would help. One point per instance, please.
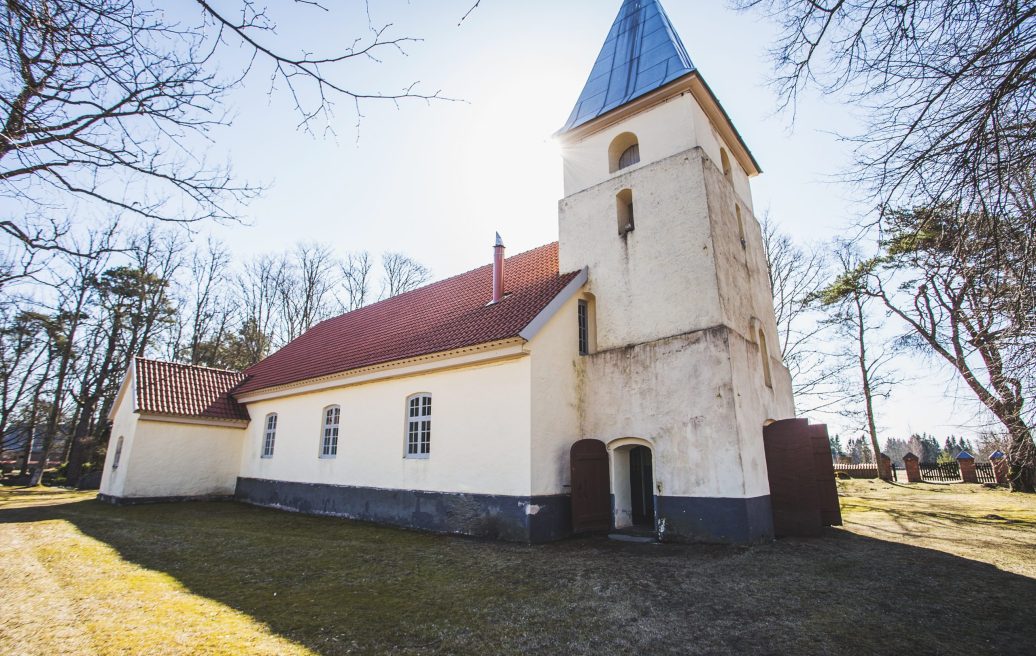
(991, 526)
(916, 570)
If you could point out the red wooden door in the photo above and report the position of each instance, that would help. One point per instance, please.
(591, 491)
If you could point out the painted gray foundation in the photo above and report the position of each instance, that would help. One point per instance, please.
(516, 519)
(702, 519)
(137, 501)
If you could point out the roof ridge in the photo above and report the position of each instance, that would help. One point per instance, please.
(187, 366)
(433, 284)
(445, 315)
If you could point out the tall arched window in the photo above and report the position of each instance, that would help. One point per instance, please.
(624, 211)
(269, 435)
(419, 426)
(329, 438)
(725, 161)
(118, 454)
(623, 152)
(765, 354)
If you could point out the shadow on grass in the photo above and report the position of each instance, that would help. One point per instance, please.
(340, 587)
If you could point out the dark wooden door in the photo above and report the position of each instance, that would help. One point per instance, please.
(641, 486)
(803, 493)
(591, 491)
(793, 485)
(824, 473)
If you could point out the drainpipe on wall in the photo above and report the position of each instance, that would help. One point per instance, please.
(498, 269)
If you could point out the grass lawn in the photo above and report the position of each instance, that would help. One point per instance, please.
(920, 569)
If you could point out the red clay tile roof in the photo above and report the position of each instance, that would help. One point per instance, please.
(443, 316)
(180, 389)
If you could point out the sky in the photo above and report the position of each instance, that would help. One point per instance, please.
(436, 180)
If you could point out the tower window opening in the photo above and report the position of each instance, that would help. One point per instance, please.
(740, 226)
(630, 157)
(765, 354)
(725, 161)
(624, 210)
(584, 328)
(624, 152)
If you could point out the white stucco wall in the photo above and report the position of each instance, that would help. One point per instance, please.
(697, 400)
(166, 457)
(480, 433)
(679, 303)
(124, 424)
(673, 126)
(557, 387)
(677, 394)
(756, 404)
(741, 270)
(660, 279)
(170, 459)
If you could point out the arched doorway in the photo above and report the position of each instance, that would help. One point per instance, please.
(642, 484)
(633, 483)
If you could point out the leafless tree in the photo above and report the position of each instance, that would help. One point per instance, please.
(948, 90)
(133, 308)
(947, 86)
(402, 274)
(203, 322)
(75, 294)
(22, 358)
(96, 98)
(941, 273)
(306, 289)
(850, 315)
(102, 100)
(356, 277)
(257, 300)
(797, 274)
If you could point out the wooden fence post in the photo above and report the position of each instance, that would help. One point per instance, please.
(913, 468)
(999, 462)
(967, 467)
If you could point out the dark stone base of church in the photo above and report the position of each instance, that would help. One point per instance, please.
(703, 519)
(515, 519)
(138, 501)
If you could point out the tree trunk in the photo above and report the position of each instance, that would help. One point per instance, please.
(29, 443)
(34, 418)
(868, 392)
(1022, 459)
(79, 443)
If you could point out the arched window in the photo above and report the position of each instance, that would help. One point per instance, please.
(725, 161)
(624, 211)
(623, 152)
(118, 454)
(629, 157)
(740, 226)
(269, 435)
(765, 354)
(419, 426)
(329, 438)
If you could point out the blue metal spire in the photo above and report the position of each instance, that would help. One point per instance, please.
(641, 54)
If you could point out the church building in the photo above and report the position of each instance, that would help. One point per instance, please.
(618, 378)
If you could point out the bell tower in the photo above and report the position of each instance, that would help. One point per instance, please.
(658, 208)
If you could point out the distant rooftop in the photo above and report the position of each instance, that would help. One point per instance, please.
(641, 54)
